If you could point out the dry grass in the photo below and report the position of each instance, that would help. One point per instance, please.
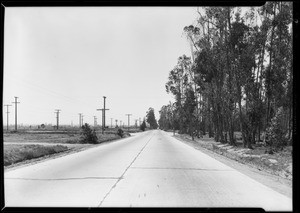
(14, 153)
(279, 163)
(17, 147)
(39, 137)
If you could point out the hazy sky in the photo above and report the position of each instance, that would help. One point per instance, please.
(69, 58)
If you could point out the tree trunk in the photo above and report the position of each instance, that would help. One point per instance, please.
(268, 86)
(231, 132)
(258, 132)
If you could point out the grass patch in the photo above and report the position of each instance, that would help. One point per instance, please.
(101, 138)
(40, 137)
(15, 153)
(107, 137)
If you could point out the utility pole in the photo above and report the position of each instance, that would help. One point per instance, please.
(116, 122)
(7, 113)
(128, 120)
(102, 119)
(95, 121)
(57, 117)
(104, 110)
(103, 115)
(80, 125)
(82, 120)
(16, 120)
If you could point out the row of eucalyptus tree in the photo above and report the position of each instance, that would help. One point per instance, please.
(239, 78)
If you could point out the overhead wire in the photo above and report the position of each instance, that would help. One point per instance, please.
(55, 94)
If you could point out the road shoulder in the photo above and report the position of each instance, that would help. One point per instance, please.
(277, 183)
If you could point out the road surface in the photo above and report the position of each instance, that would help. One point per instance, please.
(150, 169)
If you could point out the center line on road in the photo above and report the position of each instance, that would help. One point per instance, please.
(180, 168)
(125, 171)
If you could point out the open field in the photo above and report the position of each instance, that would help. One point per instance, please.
(25, 145)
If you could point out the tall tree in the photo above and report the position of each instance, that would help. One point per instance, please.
(241, 73)
(150, 118)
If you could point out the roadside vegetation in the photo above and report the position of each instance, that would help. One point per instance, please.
(143, 126)
(88, 135)
(278, 163)
(14, 153)
(32, 144)
(239, 78)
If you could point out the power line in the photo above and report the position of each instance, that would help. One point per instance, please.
(16, 120)
(50, 92)
(7, 113)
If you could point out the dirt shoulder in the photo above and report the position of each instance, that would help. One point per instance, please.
(255, 171)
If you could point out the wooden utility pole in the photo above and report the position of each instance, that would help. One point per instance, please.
(128, 120)
(103, 115)
(57, 117)
(7, 113)
(95, 121)
(80, 125)
(16, 120)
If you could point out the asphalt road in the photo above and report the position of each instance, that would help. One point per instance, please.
(151, 169)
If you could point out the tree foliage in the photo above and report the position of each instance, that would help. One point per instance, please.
(150, 118)
(240, 77)
(143, 125)
(88, 135)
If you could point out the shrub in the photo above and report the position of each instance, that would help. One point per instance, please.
(143, 126)
(275, 136)
(120, 132)
(88, 135)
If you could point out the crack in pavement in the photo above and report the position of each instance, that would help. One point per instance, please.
(57, 179)
(178, 168)
(124, 172)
